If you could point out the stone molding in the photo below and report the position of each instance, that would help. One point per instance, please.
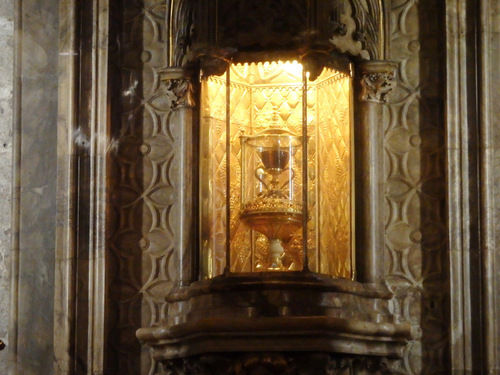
(242, 314)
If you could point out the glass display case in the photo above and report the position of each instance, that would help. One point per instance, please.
(276, 160)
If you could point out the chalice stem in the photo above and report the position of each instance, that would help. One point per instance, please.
(276, 250)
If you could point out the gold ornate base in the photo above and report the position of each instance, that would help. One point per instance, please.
(278, 227)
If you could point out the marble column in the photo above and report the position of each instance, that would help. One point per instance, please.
(184, 170)
(376, 80)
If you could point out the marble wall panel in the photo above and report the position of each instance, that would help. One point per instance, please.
(35, 124)
(6, 85)
(493, 97)
(416, 234)
(494, 101)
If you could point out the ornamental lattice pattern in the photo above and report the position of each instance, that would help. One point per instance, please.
(141, 237)
(333, 171)
(416, 232)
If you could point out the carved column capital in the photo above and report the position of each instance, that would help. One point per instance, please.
(182, 92)
(377, 79)
(179, 86)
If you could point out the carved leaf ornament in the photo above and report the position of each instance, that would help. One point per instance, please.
(368, 16)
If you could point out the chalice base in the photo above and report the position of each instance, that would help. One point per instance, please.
(278, 227)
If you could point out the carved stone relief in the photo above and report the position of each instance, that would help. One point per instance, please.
(349, 26)
(277, 364)
(141, 237)
(376, 85)
(354, 27)
(180, 91)
(181, 20)
(368, 15)
(416, 236)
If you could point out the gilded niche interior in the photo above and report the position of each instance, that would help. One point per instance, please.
(261, 105)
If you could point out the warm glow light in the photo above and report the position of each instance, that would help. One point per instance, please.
(293, 68)
(265, 105)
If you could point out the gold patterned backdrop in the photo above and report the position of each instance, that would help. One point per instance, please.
(333, 207)
(257, 93)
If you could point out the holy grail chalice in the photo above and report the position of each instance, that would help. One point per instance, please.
(271, 203)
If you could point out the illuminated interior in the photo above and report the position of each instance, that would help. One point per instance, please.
(265, 111)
